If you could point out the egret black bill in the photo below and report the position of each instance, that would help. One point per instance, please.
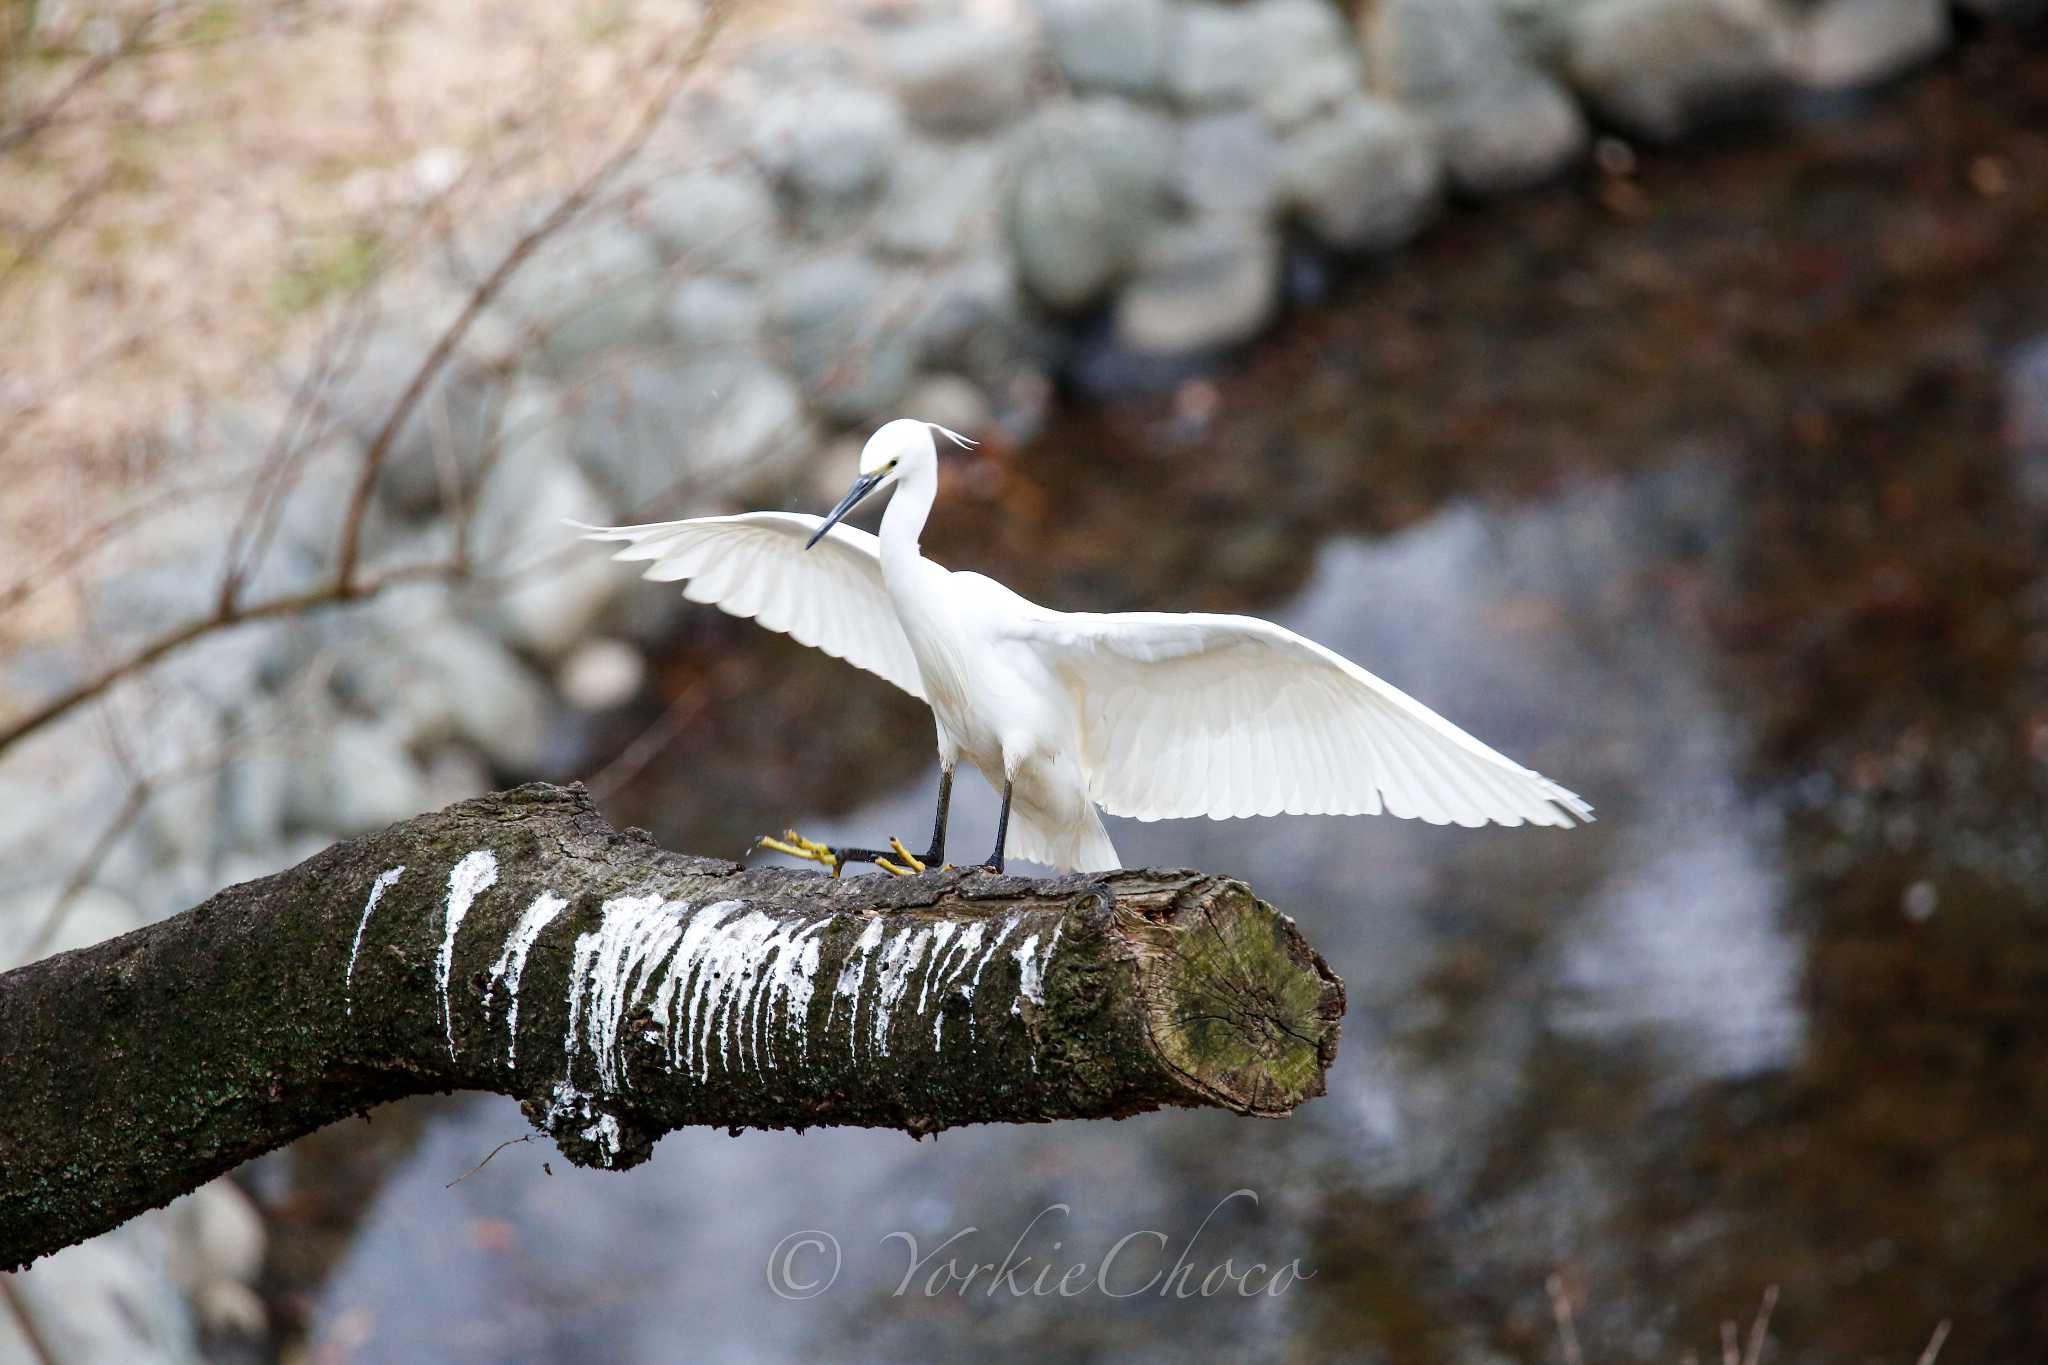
(862, 486)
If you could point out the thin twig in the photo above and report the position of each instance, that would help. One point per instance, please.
(170, 642)
(480, 298)
(48, 230)
(1760, 1329)
(508, 1142)
(1935, 1343)
(31, 1333)
(648, 745)
(91, 538)
(87, 869)
(1567, 1329)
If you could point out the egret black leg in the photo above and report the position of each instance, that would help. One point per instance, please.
(836, 858)
(995, 859)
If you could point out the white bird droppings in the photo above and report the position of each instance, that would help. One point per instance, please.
(728, 972)
(471, 877)
(511, 963)
(569, 1107)
(377, 890)
(1031, 969)
(853, 974)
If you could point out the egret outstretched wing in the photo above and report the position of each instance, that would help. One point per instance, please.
(1223, 716)
(754, 565)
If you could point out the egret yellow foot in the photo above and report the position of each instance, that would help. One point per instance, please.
(810, 850)
(914, 863)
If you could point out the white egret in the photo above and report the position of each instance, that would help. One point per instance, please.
(1146, 714)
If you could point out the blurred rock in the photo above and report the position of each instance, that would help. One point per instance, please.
(440, 678)
(95, 914)
(108, 1301)
(1661, 68)
(601, 674)
(1200, 286)
(951, 401)
(1313, 60)
(1500, 122)
(971, 319)
(359, 778)
(843, 326)
(451, 773)
(254, 794)
(942, 199)
(220, 1240)
(652, 427)
(828, 151)
(1088, 182)
(591, 287)
(956, 75)
(1214, 56)
(1228, 163)
(711, 313)
(723, 220)
(1365, 178)
(554, 593)
(2026, 418)
(441, 438)
(1110, 45)
(1839, 44)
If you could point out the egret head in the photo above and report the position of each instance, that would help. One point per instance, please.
(896, 448)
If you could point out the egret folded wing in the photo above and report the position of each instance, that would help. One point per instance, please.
(1224, 716)
(754, 565)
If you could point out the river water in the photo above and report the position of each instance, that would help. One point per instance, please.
(1712, 488)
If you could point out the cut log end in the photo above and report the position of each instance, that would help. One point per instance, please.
(1238, 1004)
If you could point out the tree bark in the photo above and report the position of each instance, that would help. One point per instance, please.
(520, 944)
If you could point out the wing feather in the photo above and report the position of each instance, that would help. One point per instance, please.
(1229, 716)
(754, 565)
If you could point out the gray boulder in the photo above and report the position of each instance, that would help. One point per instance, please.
(96, 913)
(957, 75)
(2026, 418)
(1661, 68)
(651, 428)
(1200, 286)
(1229, 163)
(828, 151)
(444, 434)
(712, 220)
(1839, 44)
(589, 289)
(713, 313)
(552, 598)
(843, 326)
(1214, 57)
(1311, 61)
(1087, 182)
(1365, 178)
(1117, 46)
(359, 778)
(444, 678)
(942, 199)
(1500, 122)
(972, 319)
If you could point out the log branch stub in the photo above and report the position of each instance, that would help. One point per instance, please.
(520, 944)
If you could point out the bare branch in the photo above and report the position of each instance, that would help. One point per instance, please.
(564, 211)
